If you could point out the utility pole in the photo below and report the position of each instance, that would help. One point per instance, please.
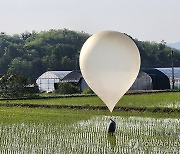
(172, 64)
(76, 61)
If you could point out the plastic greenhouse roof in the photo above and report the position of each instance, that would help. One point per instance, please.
(168, 71)
(159, 79)
(60, 74)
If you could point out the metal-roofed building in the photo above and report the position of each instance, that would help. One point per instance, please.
(46, 82)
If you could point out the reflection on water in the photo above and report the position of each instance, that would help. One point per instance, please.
(133, 135)
(112, 140)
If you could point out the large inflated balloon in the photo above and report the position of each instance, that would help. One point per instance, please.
(109, 62)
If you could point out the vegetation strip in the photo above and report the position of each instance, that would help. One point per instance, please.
(87, 107)
(49, 96)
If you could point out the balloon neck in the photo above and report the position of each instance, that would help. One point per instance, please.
(110, 110)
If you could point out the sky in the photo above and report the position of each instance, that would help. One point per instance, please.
(146, 20)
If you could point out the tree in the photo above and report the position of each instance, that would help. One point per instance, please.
(67, 88)
(15, 86)
(88, 91)
(67, 63)
(38, 52)
(20, 66)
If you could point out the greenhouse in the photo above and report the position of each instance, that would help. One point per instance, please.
(156, 79)
(159, 80)
(142, 82)
(47, 81)
(148, 79)
(168, 72)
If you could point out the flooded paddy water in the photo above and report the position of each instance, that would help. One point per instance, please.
(133, 135)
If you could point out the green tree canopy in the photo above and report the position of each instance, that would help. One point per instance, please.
(67, 88)
(15, 85)
(33, 53)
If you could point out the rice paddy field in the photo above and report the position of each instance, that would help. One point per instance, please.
(74, 131)
(151, 100)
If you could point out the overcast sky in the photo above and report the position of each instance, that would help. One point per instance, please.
(151, 20)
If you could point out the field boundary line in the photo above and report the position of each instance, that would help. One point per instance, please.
(132, 92)
(87, 107)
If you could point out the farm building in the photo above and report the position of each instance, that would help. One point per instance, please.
(142, 82)
(47, 81)
(168, 73)
(148, 79)
(156, 79)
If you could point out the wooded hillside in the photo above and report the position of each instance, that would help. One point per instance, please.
(33, 53)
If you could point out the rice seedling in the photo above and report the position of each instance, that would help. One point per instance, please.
(89, 135)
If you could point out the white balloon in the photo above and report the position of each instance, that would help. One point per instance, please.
(109, 62)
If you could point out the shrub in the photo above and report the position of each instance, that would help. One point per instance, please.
(88, 91)
(15, 85)
(67, 88)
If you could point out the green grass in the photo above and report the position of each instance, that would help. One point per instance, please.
(168, 99)
(161, 100)
(17, 114)
(44, 115)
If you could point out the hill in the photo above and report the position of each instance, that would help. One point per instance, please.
(33, 53)
(174, 45)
